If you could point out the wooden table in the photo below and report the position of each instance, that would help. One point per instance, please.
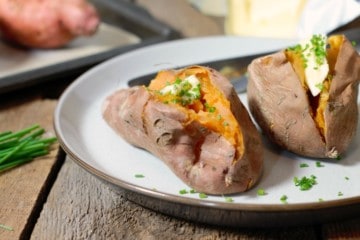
(53, 198)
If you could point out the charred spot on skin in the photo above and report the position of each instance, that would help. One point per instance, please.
(225, 171)
(213, 168)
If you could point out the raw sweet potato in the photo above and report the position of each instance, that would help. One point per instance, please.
(283, 105)
(194, 121)
(46, 23)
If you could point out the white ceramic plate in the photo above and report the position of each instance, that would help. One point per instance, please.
(88, 140)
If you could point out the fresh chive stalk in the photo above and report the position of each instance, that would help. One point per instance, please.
(23, 146)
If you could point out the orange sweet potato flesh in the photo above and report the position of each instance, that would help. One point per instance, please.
(321, 126)
(214, 150)
(46, 23)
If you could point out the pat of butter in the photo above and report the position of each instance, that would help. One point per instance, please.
(179, 88)
(315, 72)
(264, 18)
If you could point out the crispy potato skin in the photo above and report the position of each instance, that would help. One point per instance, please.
(280, 105)
(203, 159)
(46, 23)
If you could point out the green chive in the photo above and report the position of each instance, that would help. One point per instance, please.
(183, 191)
(228, 199)
(305, 183)
(283, 199)
(261, 192)
(304, 165)
(6, 227)
(319, 164)
(202, 195)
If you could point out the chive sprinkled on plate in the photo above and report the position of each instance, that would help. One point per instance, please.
(305, 183)
(8, 228)
(183, 191)
(193, 191)
(283, 199)
(261, 192)
(139, 175)
(228, 199)
(304, 165)
(319, 164)
(202, 195)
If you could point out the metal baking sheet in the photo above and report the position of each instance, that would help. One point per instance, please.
(124, 27)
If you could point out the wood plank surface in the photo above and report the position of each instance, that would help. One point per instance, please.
(23, 188)
(80, 206)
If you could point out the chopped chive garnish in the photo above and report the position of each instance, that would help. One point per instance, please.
(139, 176)
(304, 165)
(305, 183)
(340, 194)
(193, 191)
(283, 199)
(320, 86)
(319, 164)
(202, 195)
(6, 227)
(261, 192)
(347, 178)
(183, 191)
(228, 199)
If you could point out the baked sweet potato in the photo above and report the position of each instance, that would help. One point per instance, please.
(46, 23)
(193, 120)
(286, 109)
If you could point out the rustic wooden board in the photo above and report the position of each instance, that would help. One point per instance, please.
(80, 206)
(22, 188)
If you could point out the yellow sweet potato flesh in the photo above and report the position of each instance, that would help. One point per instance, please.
(212, 109)
(318, 103)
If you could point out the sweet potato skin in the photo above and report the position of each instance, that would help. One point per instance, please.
(203, 159)
(281, 107)
(46, 23)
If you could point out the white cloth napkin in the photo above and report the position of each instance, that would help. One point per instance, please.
(323, 16)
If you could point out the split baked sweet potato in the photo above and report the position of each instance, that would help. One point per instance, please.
(193, 120)
(310, 119)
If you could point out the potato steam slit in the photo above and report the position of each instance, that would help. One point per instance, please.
(318, 103)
